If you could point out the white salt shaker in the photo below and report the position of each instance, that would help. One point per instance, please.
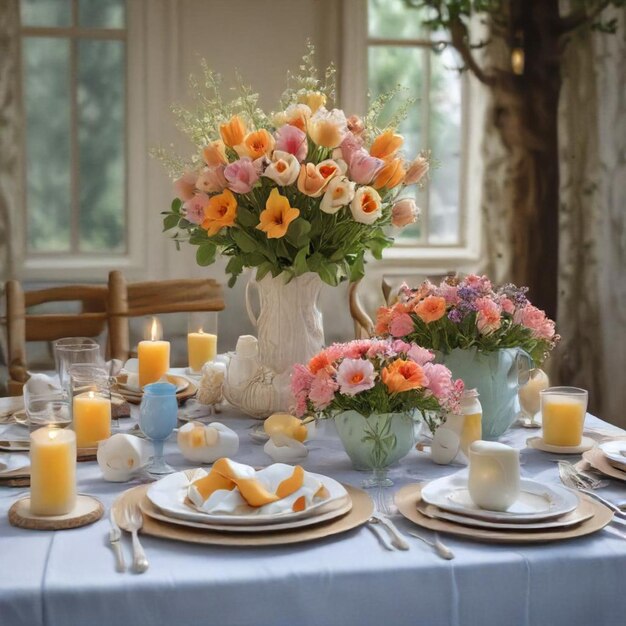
(494, 480)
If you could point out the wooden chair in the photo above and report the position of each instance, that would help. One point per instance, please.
(363, 323)
(126, 300)
(24, 326)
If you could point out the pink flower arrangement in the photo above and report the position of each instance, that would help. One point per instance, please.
(468, 312)
(241, 175)
(374, 376)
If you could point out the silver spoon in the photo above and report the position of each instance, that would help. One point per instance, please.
(441, 549)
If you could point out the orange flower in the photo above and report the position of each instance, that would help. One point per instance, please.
(233, 131)
(390, 175)
(386, 145)
(256, 144)
(403, 375)
(430, 309)
(319, 362)
(220, 212)
(278, 214)
(310, 181)
(215, 153)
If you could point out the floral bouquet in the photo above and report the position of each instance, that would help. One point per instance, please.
(304, 189)
(373, 376)
(469, 313)
(374, 389)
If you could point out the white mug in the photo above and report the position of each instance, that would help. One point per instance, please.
(494, 481)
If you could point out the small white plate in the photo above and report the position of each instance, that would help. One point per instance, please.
(539, 444)
(614, 451)
(570, 519)
(169, 494)
(536, 501)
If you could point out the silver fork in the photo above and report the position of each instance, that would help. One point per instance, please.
(133, 522)
(382, 516)
(584, 479)
(115, 539)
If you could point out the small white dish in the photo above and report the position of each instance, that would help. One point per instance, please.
(170, 493)
(536, 502)
(615, 451)
(539, 444)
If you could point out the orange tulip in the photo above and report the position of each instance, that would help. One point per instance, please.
(215, 153)
(430, 309)
(386, 145)
(256, 144)
(390, 175)
(220, 212)
(233, 131)
(277, 215)
(310, 181)
(403, 375)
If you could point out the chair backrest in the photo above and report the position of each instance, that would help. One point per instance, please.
(126, 300)
(24, 326)
(363, 323)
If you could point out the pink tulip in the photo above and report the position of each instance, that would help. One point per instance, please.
(404, 212)
(363, 167)
(185, 186)
(291, 139)
(350, 144)
(241, 175)
(194, 208)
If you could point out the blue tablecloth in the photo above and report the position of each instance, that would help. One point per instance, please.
(67, 578)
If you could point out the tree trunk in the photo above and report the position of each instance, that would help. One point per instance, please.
(526, 116)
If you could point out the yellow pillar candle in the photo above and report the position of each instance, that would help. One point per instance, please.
(92, 419)
(563, 419)
(52, 471)
(154, 361)
(472, 430)
(201, 347)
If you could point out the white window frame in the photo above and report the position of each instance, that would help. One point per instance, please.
(408, 257)
(90, 266)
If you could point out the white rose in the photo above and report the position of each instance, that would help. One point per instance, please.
(283, 169)
(366, 206)
(339, 192)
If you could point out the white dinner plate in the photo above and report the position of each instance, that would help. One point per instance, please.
(615, 451)
(536, 501)
(323, 514)
(169, 494)
(570, 519)
(538, 443)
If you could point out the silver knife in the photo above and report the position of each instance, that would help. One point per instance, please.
(115, 539)
(394, 534)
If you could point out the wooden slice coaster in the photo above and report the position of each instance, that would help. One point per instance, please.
(86, 454)
(87, 510)
(24, 481)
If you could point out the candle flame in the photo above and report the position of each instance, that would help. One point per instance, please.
(91, 395)
(200, 330)
(154, 329)
(53, 433)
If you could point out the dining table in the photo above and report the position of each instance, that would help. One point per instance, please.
(68, 577)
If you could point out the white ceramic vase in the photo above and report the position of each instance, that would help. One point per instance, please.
(289, 331)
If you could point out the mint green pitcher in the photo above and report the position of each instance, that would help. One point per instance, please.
(496, 375)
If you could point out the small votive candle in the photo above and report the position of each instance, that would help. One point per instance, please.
(563, 411)
(154, 356)
(52, 471)
(91, 414)
(201, 348)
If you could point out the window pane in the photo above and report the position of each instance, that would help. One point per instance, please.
(393, 19)
(102, 14)
(445, 138)
(388, 67)
(46, 12)
(101, 120)
(47, 107)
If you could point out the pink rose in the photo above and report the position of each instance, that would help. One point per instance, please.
(401, 325)
(323, 390)
(488, 319)
(211, 179)
(420, 355)
(194, 208)
(404, 212)
(185, 186)
(507, 305)
(363, 167)
(439, 380)
(241, 175)
(291, 139)
(541, 326)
